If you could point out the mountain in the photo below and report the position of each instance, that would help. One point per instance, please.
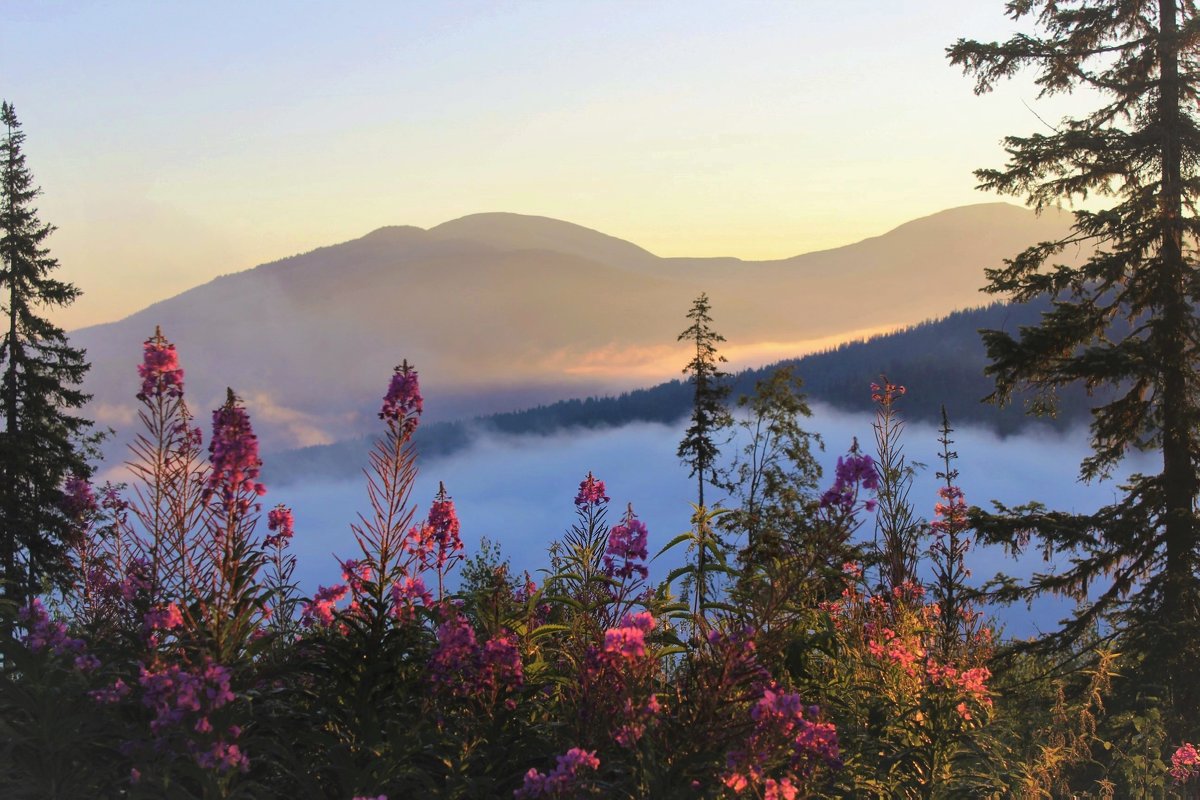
(941, 362)
(503, 311)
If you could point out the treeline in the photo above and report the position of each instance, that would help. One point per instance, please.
(945, 358)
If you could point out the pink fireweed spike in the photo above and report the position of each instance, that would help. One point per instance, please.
(627, 549)
(403, 404)
(233, 453)
(591, 492)
(279, 522)
(160, 371)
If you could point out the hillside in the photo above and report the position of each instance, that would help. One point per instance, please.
(502, 311)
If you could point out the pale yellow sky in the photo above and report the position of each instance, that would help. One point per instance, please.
(174, 143)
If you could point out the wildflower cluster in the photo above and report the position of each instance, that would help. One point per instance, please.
(1185, 764)
(183, 701)
(43, 633)
(627, 552)
(461, 668)
(787, 744)
(617, 695)
(855, 472)
(591, 492)
(562, 781)
(280, 523)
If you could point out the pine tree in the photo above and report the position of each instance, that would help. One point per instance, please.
(1124, 320)
(42, 444)
(699, 449)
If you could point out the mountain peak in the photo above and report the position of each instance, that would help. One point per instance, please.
(507, 231)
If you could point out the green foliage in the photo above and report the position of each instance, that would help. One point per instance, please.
(775, 476)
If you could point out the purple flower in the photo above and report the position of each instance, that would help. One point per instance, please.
(626, 553)
(233, 453)
(1185, 763)
(403, 402)
(591, 492)
(160, 371)
(321, 608)
(280, 521)
(854, 471)
(461, 668)
(44, 633)
(444, 526)
(561, 780)
(78, 499)
(407, 595)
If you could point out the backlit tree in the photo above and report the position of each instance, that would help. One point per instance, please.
(1123, 322)
(42, 443)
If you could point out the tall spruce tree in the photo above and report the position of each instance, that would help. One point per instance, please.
(699, 448)
(1124, 321)
(42, 444)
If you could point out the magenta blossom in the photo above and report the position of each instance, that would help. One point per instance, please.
(78, 498)
(627, 549)
(279, 522)
(409, 594)
(854, 471)
(321, 608)
(403, 402)
(591, 492)
(443, 522)
(560, 782)
(160, 371)
(1185, 764)
(233, 453)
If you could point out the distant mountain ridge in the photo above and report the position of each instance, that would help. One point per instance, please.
(505, 311)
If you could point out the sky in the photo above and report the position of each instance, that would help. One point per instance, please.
(175, 142)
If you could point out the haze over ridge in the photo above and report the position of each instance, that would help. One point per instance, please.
(501, 311)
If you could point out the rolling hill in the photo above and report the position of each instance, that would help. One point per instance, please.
(502, 311)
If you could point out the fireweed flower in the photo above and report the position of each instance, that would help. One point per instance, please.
(233, 453)
(403, 403)
(164, 618)
(616, 681)
(443, 522)
(78, 498)
(408, 594)
(854, 471)
(459, 667)
(626, 553)
(629, 640)
(43, 633)
(279, 522)
(1185, 764)
(591, 492)
(785, 736)
(952, 511)
(320, 610)
(160, 371)
(561, 781)
(183, 701)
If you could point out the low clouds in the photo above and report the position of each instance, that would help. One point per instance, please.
(519, 491)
